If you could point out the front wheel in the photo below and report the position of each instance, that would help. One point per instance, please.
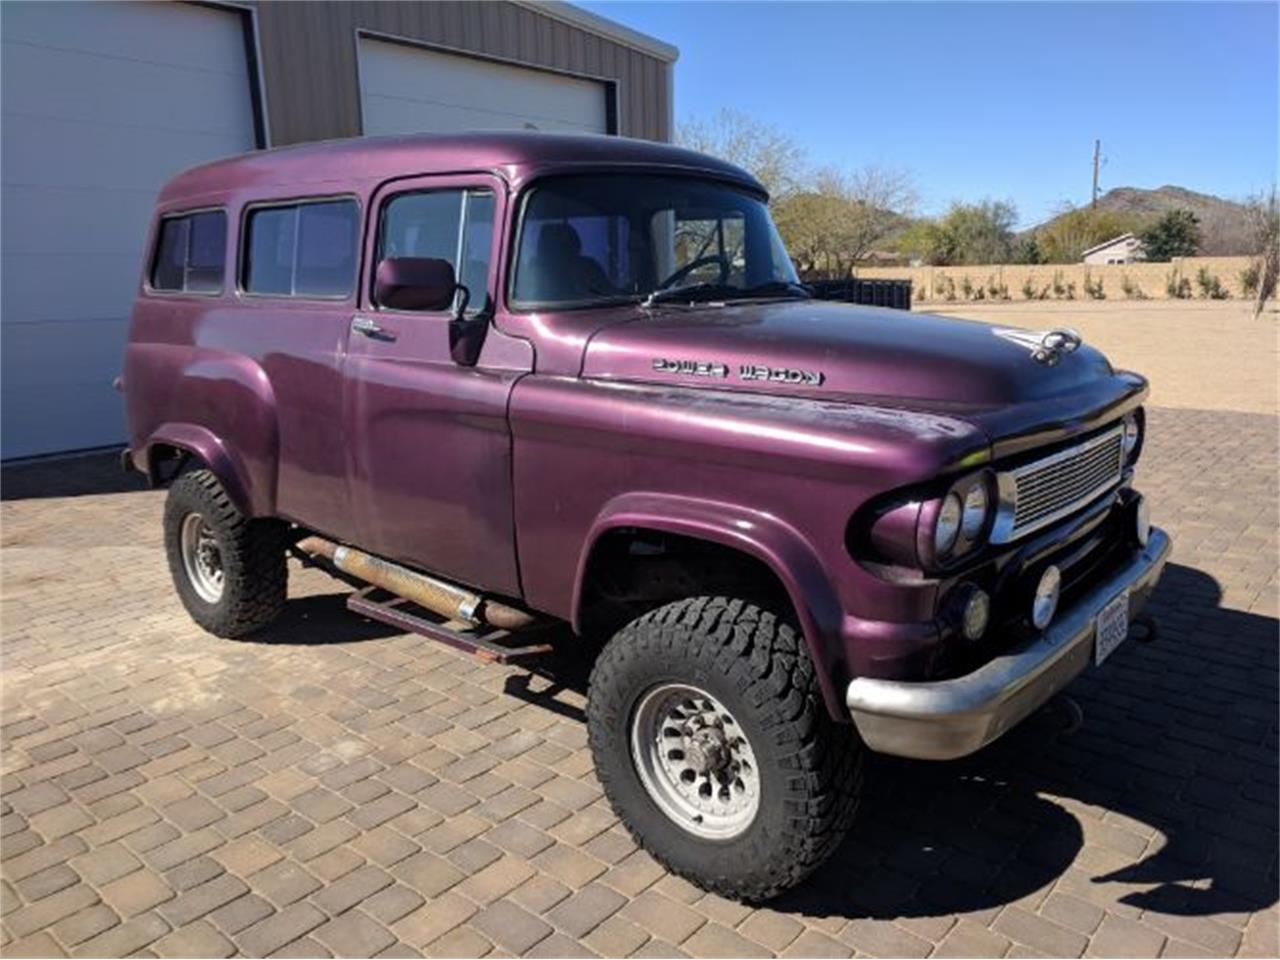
(712, 742)
(229, 570)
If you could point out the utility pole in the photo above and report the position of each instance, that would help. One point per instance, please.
(1097, 150)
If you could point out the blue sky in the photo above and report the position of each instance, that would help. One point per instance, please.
(993, 100)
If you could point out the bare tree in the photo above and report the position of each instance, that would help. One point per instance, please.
(772, 156)
(1264, 224)
(829, 218)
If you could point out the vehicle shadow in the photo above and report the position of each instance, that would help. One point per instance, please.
(320, 619)
(87, 474)
(1164, 799)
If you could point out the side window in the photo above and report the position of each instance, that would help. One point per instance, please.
(452, 225)
(191, 253)
(302, 250)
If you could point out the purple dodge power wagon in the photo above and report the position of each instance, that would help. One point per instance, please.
(500, 382)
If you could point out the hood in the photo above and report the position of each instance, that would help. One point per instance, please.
(839, 351)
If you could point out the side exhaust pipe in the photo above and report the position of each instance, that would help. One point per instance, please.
(438, 596)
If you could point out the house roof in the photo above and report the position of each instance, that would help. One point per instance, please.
(1109, 243)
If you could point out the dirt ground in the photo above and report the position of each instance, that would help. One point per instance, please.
(1206, 355)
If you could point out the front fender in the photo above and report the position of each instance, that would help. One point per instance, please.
(760, 535)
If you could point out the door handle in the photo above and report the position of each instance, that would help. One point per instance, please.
(368, 326)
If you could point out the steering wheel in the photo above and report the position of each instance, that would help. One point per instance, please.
(692, 265)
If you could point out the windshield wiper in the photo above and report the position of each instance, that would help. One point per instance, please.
(689, 293)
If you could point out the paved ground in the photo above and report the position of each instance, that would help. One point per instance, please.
(340, 789)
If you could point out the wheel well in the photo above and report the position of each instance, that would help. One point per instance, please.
(633, 570)
(166, 461)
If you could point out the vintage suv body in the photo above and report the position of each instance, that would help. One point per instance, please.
(511, 379)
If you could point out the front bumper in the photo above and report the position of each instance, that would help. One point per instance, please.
(951, 718)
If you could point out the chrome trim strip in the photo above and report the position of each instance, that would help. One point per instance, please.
(953, 718)
(1004, 530)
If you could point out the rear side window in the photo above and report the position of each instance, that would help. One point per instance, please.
(191, 253)
(302, 250)
(453, 225)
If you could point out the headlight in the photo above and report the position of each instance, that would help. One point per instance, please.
(947, 527)
(1132, 435)
(975, 511)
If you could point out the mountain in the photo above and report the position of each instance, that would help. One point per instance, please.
(1223, 223)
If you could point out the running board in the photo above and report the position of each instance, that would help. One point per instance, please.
(483, 641)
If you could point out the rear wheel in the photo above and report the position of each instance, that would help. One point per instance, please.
(712, 742)
(229, 570)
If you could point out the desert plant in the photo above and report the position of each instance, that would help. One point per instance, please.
(996, 291)
(1029, 289)
(1130, 288)
(1093, 288)
(1249, 278)
(966, 287)
(1058, 286)
(1177, 286)
(1210, 286)
(948, 289)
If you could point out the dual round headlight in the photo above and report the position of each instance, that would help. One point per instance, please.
(965, 511)
(1132, 435)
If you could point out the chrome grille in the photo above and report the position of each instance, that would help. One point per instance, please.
(1036, 494)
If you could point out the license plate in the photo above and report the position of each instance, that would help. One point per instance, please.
(1111, 627)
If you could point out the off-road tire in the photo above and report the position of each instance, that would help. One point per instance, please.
(756, 664)
(255, 575)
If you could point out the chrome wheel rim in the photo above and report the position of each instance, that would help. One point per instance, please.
(695, 761)
(202, 558)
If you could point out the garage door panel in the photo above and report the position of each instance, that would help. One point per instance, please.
(392, 113)
(73, 86)
(67, 286)
(49, 152)
(50, 220)
(407, 89)
(85, 352)
(193, 37)
(55, 394)
(102, 103)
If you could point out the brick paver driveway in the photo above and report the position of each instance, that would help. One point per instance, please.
(338, 788)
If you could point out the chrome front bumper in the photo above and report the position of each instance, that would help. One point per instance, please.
(952, 718)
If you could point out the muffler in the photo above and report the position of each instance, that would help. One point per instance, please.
(438, 596)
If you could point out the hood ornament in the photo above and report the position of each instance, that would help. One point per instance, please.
(1045, 346)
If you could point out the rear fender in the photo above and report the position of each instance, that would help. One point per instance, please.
(759, 535)
(210, 450)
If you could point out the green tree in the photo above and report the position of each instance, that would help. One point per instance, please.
(1073, 231)
(1028, 251)
(1176, 234)
(968, 233)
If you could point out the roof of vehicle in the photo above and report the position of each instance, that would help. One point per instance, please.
(518, 156)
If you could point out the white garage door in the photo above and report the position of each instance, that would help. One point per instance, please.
(406, 89)
(102, 102)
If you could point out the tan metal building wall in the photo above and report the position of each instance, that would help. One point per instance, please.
(309, 68)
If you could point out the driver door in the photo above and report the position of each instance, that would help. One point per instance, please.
(429, 445)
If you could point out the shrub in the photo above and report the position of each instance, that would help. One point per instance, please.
(1177, 286)
(1093, 289)
(997, 291)
(1249, 278)
(1210, 286)
(966, 287)
(948, 288)
(1059, 288)
(1028, 288)
(1130, 289)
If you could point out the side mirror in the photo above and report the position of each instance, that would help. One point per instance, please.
(415, 283)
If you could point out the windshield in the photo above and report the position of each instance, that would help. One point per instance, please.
(614, 238)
